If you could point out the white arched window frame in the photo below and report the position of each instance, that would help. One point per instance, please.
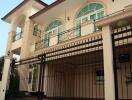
(91, 11)
(53, 30)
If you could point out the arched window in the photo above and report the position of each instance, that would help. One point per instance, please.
(91, 11)
(52, 30)
(53, 25)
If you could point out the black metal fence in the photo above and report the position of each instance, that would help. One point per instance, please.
(75, 71)
(122, 39)
(71, 72)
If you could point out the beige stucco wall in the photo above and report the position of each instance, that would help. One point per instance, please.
(16, 44)
(116, 5)
(27, 46)
(24, 44)
(9, 42)
(110, 7)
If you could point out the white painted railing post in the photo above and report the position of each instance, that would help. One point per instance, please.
(108, 64)
(5, 77)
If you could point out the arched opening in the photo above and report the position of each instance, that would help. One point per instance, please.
(52, 31)
(91, 11)
(19, 28)
(53, 25)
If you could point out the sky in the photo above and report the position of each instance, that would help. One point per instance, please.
(5, 7)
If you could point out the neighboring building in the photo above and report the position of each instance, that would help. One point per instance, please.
(76, 36)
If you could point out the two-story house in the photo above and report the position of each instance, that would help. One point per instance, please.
(87, 44)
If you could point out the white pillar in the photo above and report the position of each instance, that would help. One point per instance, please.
(108, 64)
(11, 34)
(4, 78)
(13, 25)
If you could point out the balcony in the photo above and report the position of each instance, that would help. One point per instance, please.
(17, 41)
(67, 35)
(17, 37)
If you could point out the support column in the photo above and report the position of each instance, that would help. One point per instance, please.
(108, 64)
(25, 52)
(5, 78)
(11, 34)
(27, 39)
(9, 42)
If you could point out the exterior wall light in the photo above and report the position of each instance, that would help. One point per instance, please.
(68, 18)
(8, 53)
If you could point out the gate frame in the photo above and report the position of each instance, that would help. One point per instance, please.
(114, 67)
(114, 56)
(40, 59)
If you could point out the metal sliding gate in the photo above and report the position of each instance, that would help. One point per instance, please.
(122, 46)
(75, 71)
(71, 72)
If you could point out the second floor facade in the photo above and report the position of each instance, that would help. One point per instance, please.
(66, 20)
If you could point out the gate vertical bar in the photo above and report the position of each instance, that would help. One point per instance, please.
(12, 76)
(41, 76)
(39, 85)
(43, 69)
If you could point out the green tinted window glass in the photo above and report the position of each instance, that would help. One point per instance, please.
(60, 34)
(35, 30)
(92, 6)
(99, 7)
(84, 20)
(93, 17)
(55, 32)
(54, 24)
(100, 14)
(52, 30)
(78, 32)
(46, 40)
(50, 33)
(89, 8)
(78, 23)
(60, 29)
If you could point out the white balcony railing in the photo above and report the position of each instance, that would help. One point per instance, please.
(59, 37)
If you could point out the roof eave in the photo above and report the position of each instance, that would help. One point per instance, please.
(12, 11)
(42, 3)
(20, 5)
(47, 8)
